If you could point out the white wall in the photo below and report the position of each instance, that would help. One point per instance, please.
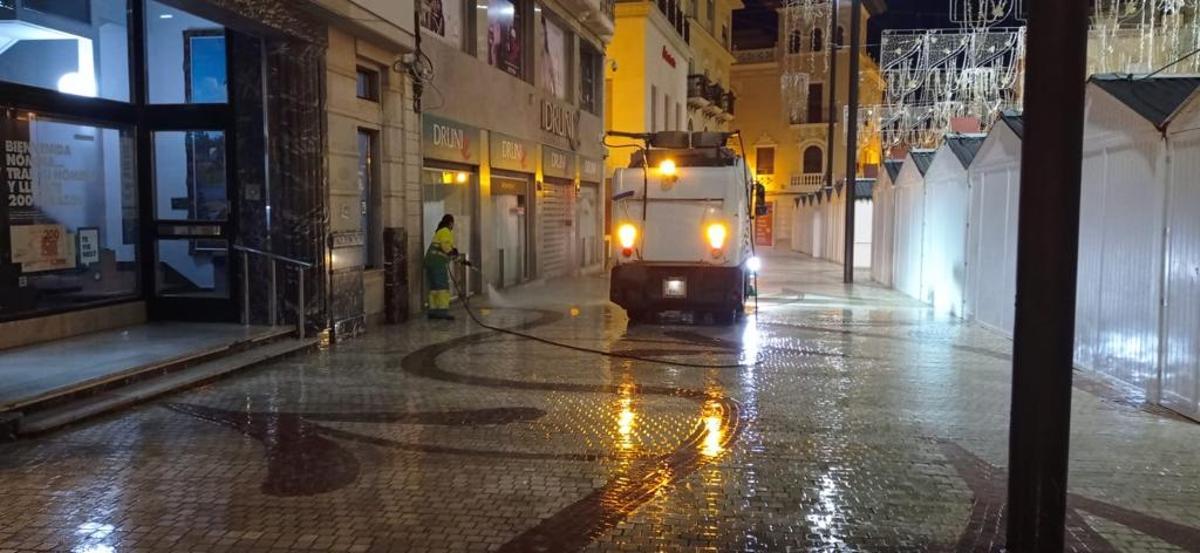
(1181, 340)
(669, 81)
(882, 230)
(944, 265)
(992, 237)
(1120, 251)
(863, 227)
(910, 223)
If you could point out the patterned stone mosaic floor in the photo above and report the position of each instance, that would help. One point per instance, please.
(865, 424)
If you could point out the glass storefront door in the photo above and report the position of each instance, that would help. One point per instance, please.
(190, 168)
(451, 192)
(510, 203)
(192, 234)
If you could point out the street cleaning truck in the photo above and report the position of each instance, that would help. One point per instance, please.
(681, 219)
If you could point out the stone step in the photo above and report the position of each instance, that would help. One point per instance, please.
(168, 380)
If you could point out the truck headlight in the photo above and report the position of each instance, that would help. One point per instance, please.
(716, 233)
(754, 264)
(627, 236)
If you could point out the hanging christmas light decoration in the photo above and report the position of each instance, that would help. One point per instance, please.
(937, 76)
(805, 52)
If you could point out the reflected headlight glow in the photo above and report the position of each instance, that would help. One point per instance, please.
(716, 233)
(627, 235)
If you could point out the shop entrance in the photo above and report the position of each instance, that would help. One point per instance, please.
(190, 168)
(510, 208)
(451, 191)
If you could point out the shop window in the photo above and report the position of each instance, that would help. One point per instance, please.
(449, 192)
(71, 214)
(78, 47)
(444, 18)
(764, 159)
(590, 62)
(506, 36)
(185, 57)
(367, 84)
(556, 50)
(368, 193)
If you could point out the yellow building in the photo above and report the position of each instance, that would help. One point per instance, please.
(657, 46)
(710, 99)
(787, 147)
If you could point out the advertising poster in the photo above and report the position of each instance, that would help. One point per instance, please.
(504, 36)
(89, 246)
(18, 165)
(764, 227)
(444, 18)
(554, 58)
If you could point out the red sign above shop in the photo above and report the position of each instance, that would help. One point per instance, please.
(764, 227)
(668, 57)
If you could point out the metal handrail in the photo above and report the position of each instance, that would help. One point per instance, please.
(285, 259)
(296, 264)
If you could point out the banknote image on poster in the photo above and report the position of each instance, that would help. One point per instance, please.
(40, 248)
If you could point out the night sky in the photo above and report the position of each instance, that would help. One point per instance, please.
(757, 25)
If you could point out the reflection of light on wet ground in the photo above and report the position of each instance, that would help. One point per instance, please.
(712, 430)
(751, 344)
(625, 420)
(94, 531)
(828, 521)
(96, 548)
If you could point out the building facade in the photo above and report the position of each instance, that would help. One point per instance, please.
(510, 141)
(787, 147)
(710, 97)
(670, 69)
(172, 160)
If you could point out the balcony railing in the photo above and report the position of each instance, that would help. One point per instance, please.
(609, 7)
(675, 15)
(760, 55)
(807, 182)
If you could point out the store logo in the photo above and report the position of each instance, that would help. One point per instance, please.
(559, 120)
(591, 167)
(450, 137)
(558, 161)
(668, 57)
(513, 151)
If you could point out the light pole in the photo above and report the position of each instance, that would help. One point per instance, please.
(1047, 256)
(852, 137)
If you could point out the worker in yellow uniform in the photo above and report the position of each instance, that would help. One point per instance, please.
(437, 269)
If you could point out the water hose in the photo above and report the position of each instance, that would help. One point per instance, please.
(616, 355)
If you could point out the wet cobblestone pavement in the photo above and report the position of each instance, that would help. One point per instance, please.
(866, 425)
